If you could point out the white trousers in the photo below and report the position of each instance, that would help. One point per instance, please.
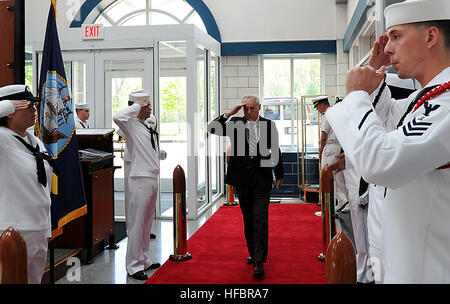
(143, 194)
(376, 262)
(359, 225)
(126, 175)
(328, 157)
(37, 246)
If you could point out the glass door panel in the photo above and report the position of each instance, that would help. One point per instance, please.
(202, 188)
(172, 117)
(121, 77)
(214, 141)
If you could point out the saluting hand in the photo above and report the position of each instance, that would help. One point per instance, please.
(235, 109)
(378, 57)
(20, 104)
(142, 102)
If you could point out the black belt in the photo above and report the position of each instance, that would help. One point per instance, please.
(42, 177)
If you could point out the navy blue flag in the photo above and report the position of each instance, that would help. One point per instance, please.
(56, 128)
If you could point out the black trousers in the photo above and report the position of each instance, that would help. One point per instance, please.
(255, 211)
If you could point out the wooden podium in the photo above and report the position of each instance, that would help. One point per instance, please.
(90, 231)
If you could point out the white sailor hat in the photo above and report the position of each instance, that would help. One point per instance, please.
(17, 92)
(139, 94)
(82, 106)
(317, 100)
(412, 11)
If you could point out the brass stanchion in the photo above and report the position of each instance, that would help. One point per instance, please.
(230, 197)
(179, 217)
(229, 189)
(326, 186)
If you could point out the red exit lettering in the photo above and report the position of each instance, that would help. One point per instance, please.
(91, 31)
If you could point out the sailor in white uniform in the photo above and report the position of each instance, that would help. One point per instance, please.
(25, 177)
(412, 161)
(142, 144)
(83, 113)
(329, 148)
(399, 89)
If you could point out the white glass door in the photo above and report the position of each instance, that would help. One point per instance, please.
(118, 72)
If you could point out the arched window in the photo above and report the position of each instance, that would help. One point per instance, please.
(144, 12)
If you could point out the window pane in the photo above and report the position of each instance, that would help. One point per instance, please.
(139, 19)
(122, 8)
(102, 20)
(307, 77)
(277, 78)
(271, 112)
(178, 8)
(158, 19)
(196, 20)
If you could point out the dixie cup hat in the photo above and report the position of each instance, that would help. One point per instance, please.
(17, 92)
(411, 11)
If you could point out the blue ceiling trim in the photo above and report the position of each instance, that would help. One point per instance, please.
(356, 23)
(278, 47)
(83, 12)
(198, 5)
(207, 18)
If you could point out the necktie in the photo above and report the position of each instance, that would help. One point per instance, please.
(42, 178)
(252, 137)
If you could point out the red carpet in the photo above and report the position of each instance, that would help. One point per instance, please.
(219, 252)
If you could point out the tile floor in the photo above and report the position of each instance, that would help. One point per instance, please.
(109, 266)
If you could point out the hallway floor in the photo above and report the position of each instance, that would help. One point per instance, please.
(109, 265)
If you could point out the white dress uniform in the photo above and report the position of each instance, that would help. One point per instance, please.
(415, 220)
(24, 202)
(374, 229)
(358, 214)
(330, 150)
(79, 124)
(151, 122)
(143, 187)
(376, 193)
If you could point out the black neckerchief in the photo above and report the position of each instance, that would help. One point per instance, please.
(152, 132)
(42, 177)
(413, 103)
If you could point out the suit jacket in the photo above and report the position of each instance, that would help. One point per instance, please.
(242, 167)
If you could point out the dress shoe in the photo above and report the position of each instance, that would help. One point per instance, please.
(258, 271)
(250, 260)
(152, 236)
(140, 275)
(153, 266)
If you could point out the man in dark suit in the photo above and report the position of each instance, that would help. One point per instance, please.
(255, 153)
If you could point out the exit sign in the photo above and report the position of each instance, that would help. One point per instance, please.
(92, 31)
